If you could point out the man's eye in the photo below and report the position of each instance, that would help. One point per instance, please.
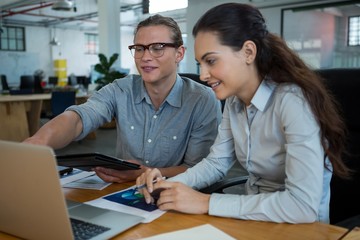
(157, 47)
(139, 49)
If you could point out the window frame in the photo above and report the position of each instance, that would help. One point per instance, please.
(17, 38)
(91, 43)
(355, 32)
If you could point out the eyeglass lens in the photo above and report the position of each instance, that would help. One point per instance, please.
(155, 49)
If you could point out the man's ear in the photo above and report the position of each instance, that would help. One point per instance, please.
(180, 52)
(250, 51)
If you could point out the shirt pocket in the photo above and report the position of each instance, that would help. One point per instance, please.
(131, 141)
(172, 143)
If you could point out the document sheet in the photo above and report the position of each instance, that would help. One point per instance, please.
(202, 232)
(129, 201)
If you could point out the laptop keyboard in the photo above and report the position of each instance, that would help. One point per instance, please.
(84, 230)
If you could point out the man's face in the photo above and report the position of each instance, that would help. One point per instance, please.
(157, 69)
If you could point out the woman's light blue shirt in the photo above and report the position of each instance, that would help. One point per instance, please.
(277, 140)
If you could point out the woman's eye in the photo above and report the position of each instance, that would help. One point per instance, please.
(210, 61)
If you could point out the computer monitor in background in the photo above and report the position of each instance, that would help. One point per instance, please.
(53, 80)
(83, 80)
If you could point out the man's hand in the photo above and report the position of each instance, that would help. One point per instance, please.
(112, 175)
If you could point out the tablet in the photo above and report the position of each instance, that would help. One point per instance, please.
(88, 161)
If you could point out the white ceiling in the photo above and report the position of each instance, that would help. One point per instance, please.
(39, 13)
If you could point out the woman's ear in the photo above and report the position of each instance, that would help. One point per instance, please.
(250, 51)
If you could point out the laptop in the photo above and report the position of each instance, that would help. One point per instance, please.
(32, 204)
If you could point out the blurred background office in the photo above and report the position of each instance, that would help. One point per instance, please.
(63, 37)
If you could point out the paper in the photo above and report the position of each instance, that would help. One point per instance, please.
(128, 202)
(76, 174)
(203, 232)
(91, 182)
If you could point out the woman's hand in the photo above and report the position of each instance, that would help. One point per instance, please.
(179, 197)
(147, 178)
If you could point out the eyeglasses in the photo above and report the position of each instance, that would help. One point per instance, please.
(156, 49)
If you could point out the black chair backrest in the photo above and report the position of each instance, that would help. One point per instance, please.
(4, 83)
(60, 100)
(37, 85)
(345, 86)
(27, 82)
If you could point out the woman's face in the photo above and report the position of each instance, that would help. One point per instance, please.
(228, 72)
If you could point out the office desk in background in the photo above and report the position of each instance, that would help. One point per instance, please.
(239, 229)
(20, 114)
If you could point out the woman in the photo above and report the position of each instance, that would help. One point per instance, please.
(279, 122)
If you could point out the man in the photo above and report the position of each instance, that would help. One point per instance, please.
(163, 120)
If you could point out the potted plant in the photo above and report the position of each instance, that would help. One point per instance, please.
(108, 74)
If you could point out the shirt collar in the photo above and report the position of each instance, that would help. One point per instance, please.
(261, 96)
(174, 97)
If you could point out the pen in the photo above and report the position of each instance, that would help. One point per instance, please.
(136, 188)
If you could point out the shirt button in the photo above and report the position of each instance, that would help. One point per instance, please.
(155, 116)
(146, 161)
(174, 137)
(132, 127)
(149, 141)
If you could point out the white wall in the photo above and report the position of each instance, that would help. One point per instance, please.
(40, 54)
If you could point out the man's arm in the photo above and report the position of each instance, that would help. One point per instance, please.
(58, 132)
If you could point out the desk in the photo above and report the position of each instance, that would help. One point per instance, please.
(20, 115)
(239, 229)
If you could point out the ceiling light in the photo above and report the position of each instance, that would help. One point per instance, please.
(54, 42)
(63, 5)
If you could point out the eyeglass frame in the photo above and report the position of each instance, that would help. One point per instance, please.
(132, 47)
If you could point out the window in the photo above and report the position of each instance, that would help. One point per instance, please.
(333, 39)
(354, 31)
(12, 39)
(166, 5)
(91, 43)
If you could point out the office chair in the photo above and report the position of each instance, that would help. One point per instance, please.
(4, 83)
(60, 100)
(221, 186)
(196, 78)
(37, 85)
(26, 85)
(27, 82)
(344, 84)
